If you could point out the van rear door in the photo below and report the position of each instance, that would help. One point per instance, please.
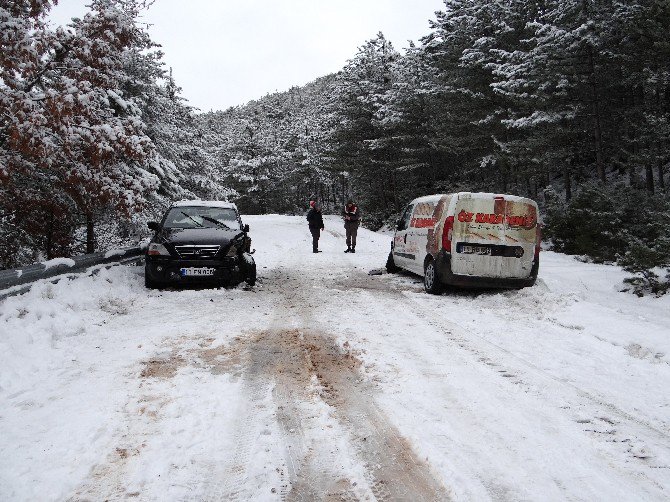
(494, 235)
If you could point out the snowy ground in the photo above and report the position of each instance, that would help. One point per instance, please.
(325, 383)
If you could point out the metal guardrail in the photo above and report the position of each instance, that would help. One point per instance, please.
(13, 278)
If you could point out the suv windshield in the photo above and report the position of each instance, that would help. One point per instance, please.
(199, 217)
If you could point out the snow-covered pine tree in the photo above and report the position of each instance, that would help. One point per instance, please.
(415, 166)
(558, 80)
(71, 133)
(638, 49)
(101, 125)
(459, 87)
(271, 150)
(29, 211)
(358, 135)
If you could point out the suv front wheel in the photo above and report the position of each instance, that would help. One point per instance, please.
(249, 269)
(150, 284)
(431, 281)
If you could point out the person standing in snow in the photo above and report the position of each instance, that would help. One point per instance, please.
(352, 218)
(315, 221)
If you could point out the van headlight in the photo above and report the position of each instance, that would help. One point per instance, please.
(232, 250)
(157, 250)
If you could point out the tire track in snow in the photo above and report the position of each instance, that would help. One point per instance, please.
(295, 360)
(140, 420)
(330, 425)
(462, 337)
(230, 483)
(625, 439)
(456, 334)
(632, 434)
(392, 470)
(310, 465)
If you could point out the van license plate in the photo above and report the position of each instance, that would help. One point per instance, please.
(476, 250)
(197, 272)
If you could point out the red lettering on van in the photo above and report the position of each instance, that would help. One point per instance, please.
(520, 221)
(492, 218)
(498, 219)
(465, 217)
(527, 222)
(422, 222)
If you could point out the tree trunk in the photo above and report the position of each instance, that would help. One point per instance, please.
(49, 237)
(649, 177)
(503, 174)
(394, 189)
(90, 235)
(661, 181)
(567, 182)
(597, 128)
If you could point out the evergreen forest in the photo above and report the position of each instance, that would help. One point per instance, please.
(564, 101)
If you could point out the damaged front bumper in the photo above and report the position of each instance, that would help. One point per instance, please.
(164, 270)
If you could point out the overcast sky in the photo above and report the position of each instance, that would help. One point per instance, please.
(227, 52)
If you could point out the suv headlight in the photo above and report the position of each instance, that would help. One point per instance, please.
(157, 250)
(232, 251)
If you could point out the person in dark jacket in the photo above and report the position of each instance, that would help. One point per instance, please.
(352, 218)
(315, 221)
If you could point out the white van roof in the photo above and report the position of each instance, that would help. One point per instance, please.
(430, 198)
(486, 195)
(205, 203)
(472, 195)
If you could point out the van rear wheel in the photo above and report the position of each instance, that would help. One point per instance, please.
(431, 282)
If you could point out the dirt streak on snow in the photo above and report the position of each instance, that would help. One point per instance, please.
(325, 383)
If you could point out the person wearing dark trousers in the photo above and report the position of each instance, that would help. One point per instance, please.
(352, 218)
(315, 221)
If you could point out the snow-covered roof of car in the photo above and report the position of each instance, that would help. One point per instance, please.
(205, 203)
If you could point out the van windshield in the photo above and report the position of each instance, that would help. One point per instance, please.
(201, 217)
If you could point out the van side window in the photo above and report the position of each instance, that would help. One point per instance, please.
(406, 218)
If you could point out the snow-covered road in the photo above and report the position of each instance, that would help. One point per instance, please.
(326, 383)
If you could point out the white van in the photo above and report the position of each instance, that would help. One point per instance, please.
(468, 239)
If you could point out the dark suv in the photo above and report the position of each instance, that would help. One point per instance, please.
(199, 242)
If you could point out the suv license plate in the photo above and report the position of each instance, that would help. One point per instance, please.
(476, 250)
(198, 272)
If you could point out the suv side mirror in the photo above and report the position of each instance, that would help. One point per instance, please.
(153, 225)
(245, 228)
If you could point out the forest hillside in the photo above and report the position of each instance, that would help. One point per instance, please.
(567, 102)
